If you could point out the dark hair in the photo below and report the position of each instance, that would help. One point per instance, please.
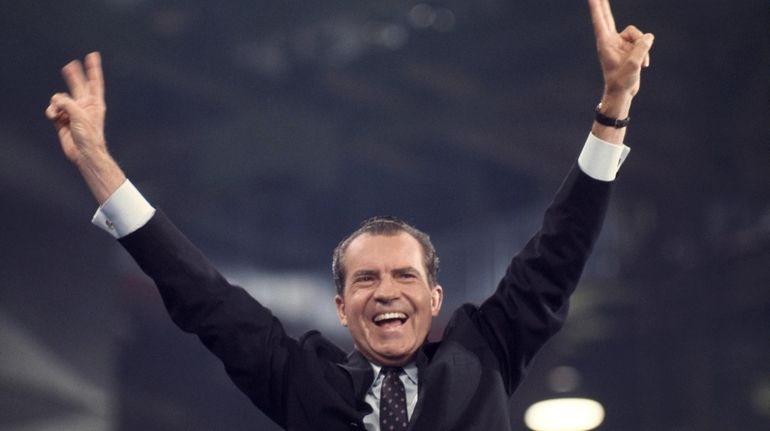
(388, 226)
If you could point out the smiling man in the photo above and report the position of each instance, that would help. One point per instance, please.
(387, 293)
(386, 277)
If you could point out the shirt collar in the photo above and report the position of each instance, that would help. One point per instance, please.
(410, 369)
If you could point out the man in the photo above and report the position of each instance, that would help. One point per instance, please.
(387, 292)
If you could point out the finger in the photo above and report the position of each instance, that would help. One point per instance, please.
(597, 18)
(646, 63)
(61, 125)
(58, 116)
(63, 104)
(631, 33)
(75, 79)
(52, 112)
(54, 109)
(641, 51)
(94, 74)
(608, 18)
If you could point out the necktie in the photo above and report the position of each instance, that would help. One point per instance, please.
(392, 401)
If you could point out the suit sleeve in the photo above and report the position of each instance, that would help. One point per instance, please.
(531, 301)
(245, 335)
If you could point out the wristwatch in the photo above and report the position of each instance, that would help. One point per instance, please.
(611, 122)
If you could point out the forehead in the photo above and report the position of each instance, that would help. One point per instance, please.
(378, 251)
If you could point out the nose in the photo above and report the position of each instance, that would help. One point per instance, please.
(387, 291)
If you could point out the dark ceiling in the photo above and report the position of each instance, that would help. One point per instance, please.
(270, 129)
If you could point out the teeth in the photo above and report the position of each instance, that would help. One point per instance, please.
(386, 316)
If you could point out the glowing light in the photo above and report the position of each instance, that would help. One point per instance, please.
(760, 398)
(564, 414)
(393, 36)
(422, 15)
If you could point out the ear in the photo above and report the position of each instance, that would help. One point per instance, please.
(436, 299)
(340, 303)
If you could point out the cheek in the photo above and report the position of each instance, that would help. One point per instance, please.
(356, 307)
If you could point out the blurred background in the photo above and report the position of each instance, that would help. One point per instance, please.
(268, 130)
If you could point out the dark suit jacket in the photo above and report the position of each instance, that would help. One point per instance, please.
(465, 380)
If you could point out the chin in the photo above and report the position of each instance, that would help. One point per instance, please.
(393, 361)
(394, 356)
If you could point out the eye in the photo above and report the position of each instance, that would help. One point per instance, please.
(364, 279)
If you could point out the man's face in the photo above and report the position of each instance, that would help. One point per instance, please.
(388, 304)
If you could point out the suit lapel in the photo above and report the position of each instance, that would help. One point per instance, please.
(360, 372)
(421, 360)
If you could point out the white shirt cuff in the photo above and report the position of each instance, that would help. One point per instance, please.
(600, 159)
(125, 211)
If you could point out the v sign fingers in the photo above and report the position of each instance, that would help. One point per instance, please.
(78, 117)
(94, 75)
(76, 79)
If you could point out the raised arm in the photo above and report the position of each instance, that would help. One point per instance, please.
(244, 334)
(622, 56)
(79, 120)
(532, 300)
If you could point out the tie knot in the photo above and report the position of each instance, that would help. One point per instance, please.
(391, 371)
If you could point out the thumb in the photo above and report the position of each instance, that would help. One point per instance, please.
(63, 104)
(639, 54)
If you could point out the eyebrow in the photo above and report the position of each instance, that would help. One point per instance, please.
(406, 269)
(402, 270)
(365, 272)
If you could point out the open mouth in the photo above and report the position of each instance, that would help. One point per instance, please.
(388, 320)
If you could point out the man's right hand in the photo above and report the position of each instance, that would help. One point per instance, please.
(79, 120)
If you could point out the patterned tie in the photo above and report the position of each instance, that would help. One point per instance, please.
(392, 401)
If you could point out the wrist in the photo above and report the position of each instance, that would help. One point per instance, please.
(616, 105)
(88, 157)
(617, 123)
(101, 173)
